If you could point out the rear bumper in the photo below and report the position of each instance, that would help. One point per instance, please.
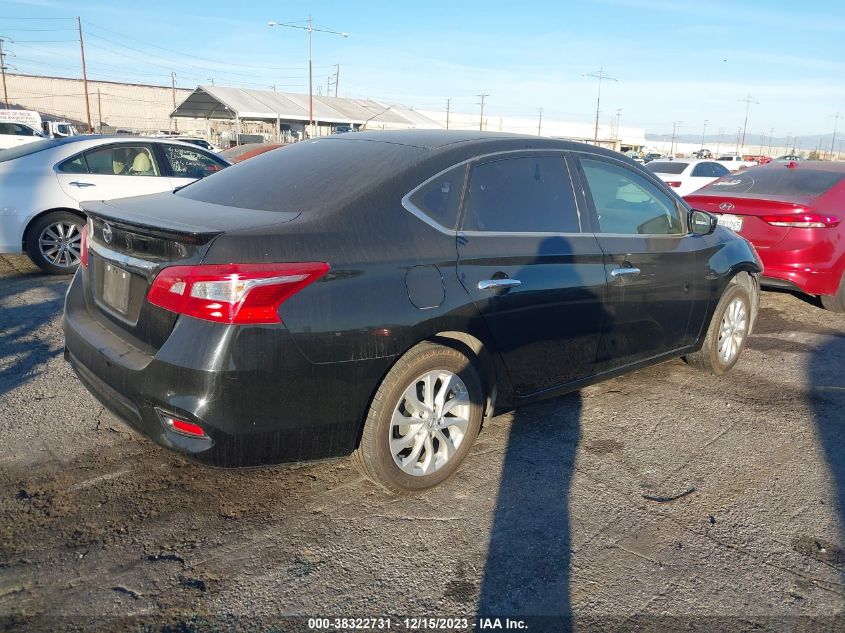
(807, 278)
(259, 400)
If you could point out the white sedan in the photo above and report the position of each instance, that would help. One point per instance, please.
(43, 184)
(13, 134)
(687, 175)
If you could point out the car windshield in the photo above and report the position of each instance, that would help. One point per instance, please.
(25, 150)
(727, 158)
(667, 167)
(779, 181)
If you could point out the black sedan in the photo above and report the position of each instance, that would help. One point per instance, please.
(379, 294)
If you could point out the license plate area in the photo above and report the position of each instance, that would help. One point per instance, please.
(733, 222)
(116, 285)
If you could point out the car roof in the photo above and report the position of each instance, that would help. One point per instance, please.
(474, 143)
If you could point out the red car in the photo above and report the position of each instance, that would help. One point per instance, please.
(793, 215)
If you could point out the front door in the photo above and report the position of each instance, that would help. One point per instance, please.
(533, 270)
(654, 268)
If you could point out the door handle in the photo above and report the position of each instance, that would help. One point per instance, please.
(77, 183)
(624, 272)
(492, 284)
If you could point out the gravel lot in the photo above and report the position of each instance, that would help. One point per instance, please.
(566, 507)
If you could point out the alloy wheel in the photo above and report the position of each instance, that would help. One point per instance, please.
(60, 244)
(429, 422)
(732, 331)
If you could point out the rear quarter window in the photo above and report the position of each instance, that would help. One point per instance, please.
(776, 181)
(440, 198)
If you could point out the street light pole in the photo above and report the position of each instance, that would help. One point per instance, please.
(310, 28)
(836, 118)
(704, 133)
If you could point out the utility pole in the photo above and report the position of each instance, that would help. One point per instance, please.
(173, 82)
(84, 74)
(748, 101)
(336, 78)
(618, 117)
(3, 71)
(740, 133)
(483, 96)
(600, 75)
(836, 118)
(540, 123)
(448, 111)
(676, 127)
(99, 113)
(704, 133)
(771, 139)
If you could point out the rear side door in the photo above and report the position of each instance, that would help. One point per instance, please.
(656, 271)
(187, 164)
(532, 268)
(112, 171)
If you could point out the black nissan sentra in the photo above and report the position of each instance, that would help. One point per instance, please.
(379, 294)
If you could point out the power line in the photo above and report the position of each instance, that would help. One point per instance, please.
(206, 59)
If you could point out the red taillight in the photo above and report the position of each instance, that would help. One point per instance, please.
(232, 293)
(83, 246)
(182, 427)
(673, 183)
(802, 220)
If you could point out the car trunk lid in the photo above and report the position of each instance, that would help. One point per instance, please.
(131, 240)
(748, 213)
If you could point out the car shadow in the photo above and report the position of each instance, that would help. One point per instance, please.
(826, 382)
(528, 561)
(23, 348)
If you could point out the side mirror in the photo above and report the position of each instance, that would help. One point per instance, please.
(701, 222)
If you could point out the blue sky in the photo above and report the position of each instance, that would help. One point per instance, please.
(674, 60)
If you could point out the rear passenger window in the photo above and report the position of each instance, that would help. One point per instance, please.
(702, 170)
(439, 199)
(74, 166)
(531, 194)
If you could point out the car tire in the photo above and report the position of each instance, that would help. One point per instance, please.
(412, 440)
(53, 242)
(727, 333)
(835, 303)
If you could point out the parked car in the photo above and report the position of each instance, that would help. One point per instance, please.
(793, 214)
(686, 176)
(789, 158)
(310, 303)
(240, 153)
(734, 162)
(13, 134)
(652, 156)
(43, 184)
(703, 153)
(343, 129)
(200, 142)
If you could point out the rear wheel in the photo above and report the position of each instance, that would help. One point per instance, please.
(422, 421)
(835, 303)
(727, 333)
(54, 242)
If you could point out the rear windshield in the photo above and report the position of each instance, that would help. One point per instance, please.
(309, 175)
(25, 150)
(727, 158)
(776, 181)
(668, 167)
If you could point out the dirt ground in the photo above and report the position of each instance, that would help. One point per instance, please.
(667, 499)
